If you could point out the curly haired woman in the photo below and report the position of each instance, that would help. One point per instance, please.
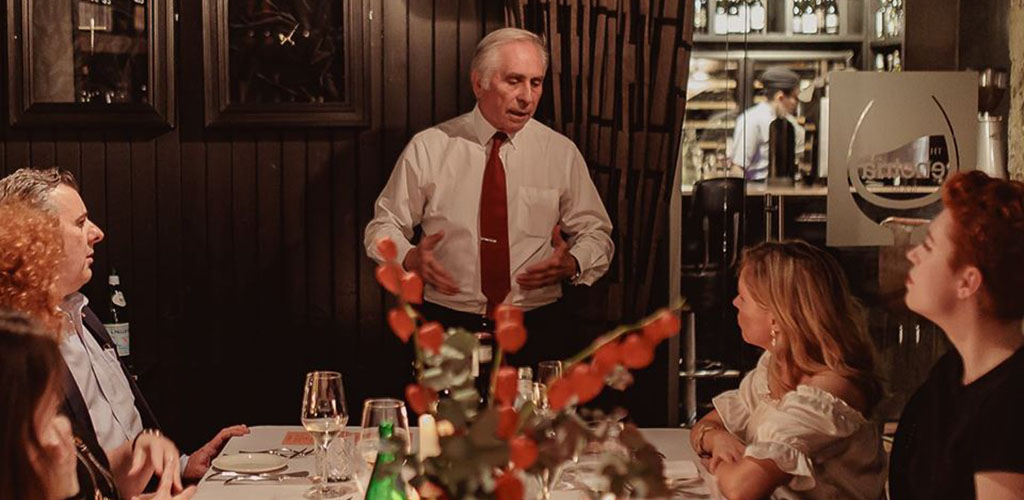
(30, 254)
(960, 434)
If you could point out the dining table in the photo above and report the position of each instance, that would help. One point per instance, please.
(687, 477)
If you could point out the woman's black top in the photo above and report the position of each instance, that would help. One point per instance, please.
(950, 431)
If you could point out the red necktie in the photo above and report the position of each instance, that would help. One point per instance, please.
(494, 257)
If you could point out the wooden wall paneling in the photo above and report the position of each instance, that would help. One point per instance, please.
(42, 149)
(293, 226)
(346, 235)
(446, 61)
(470, 32)
(141, 201)
(269, 258)
(228, 338)
(244, 227)
(69, 151)
(16, 150)
(421, 65)
(318, 236)
(168, 291)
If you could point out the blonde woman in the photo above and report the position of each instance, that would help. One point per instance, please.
(797, 426)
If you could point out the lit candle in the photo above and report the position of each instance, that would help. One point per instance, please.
(430, 446)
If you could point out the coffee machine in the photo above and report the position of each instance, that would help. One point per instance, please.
(992, 84)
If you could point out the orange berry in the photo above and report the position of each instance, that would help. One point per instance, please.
(607, 357)
(586, 383)
(560, 393)
(430, 336)
(412, 288)
(389, 275)
(508, 487)
(637, 352)
(507, 313)
(505, 388)
(387, 249)
(663, 326)
(522, 452)
(511, 337)
(507, 420)
(420, 398)
(401, 323)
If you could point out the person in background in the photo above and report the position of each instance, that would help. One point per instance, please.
(102, 400)
(797, 427)
(492, 191)
(30, 254)
(38, 449)
(960, 433)
(750, 137)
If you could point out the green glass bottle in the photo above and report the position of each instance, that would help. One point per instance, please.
(386, 482)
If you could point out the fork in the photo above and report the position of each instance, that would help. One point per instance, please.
(281, 452)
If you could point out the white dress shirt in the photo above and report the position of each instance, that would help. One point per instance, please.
(750, 140)
(436, 184)
(100, 379)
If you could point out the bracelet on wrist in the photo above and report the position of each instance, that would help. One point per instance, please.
(701, 433)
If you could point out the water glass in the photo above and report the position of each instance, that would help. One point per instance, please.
(324, 416)
(375, 412)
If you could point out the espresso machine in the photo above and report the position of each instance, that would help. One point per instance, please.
(992, 84)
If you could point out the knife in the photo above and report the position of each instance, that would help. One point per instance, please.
(228, 477)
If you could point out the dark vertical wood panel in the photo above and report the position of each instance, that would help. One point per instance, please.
(244, 216)
(346, 236)
(446, 60)
(93, 186)
(421, 60)
(470, 32)
(43, 150)
(268, 181)
(119, 215)
(144, 260)
(69, 152)
(318, 225)
(16, 150)
(169, 264)
(294, 224)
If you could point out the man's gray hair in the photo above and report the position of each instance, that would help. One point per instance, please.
(485, 59)
(33, 185)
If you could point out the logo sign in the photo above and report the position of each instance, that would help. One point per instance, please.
(895, 138)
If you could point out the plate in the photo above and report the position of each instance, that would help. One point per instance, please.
(250, 463)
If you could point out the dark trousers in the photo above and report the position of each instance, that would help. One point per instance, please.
(549, 335)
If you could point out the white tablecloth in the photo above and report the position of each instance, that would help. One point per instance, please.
(673, 443)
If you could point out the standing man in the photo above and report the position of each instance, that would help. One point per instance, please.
(493, 191)
(101, 398)
(750, 137)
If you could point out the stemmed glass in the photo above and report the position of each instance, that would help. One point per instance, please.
(323, 416)
(546, 372)
(375, 412)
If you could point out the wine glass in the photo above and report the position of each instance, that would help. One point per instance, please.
(546, 372)
(375, 412)
(323, 416)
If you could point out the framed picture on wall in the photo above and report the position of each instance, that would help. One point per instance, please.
(90, 62)
(285, 62)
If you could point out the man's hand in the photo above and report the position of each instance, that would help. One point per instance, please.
(420, 259)
(199, 461)
(551, 270)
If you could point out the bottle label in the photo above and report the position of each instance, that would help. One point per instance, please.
(119, 334)
(832, 23)
(757, 18)
(118, 299)
(810, 24)
(721, 23)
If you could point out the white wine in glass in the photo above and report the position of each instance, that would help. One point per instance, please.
(323, 416)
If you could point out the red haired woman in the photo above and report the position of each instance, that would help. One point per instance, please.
(960, 435)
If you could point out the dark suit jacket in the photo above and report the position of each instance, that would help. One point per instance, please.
(73, 405)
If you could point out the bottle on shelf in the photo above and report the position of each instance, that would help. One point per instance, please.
(700, 16)
(119, 327)
(758, 16)
(386, 481)
(879, 62)
(798, 17)
(721, 18)
(880, 14)
(819, 14)
(831, 17)
(810, 19)
(897, 64)
(735, 21)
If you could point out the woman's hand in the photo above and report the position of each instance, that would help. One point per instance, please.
(163, 491)
(152, 454)
(724, 447)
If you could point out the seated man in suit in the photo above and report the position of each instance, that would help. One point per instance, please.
(101, 398)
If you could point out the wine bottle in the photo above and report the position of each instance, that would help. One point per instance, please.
(721, 18)
(700, 16)
(119, 326)
(831, 17)
(735, 22)
(810, 19)
(386, 481)
(798, 17)
(758, 16)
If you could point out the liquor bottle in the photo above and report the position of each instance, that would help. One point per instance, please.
(758, 16)
(119, 326)
(721, 18)
(819, 14)
(879, 62)
(744, 15)
(524, 387)
(386, 482)
(482, 358)
(700, 16)
(735, 22)
(798, 17)
(880, 20)
(897, 64)
(810, 20)
(831, 17)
